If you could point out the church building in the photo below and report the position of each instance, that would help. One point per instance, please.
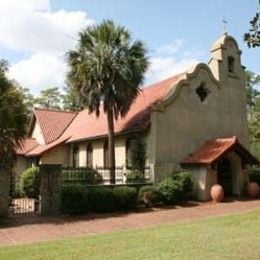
(197, 120)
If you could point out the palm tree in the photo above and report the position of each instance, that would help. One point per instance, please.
(13, 115)
(107, 69)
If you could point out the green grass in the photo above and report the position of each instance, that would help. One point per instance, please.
(229, 237)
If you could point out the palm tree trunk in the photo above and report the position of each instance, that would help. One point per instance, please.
(111, 145)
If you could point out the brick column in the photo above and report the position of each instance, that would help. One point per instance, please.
(5, 173)
(50, 188)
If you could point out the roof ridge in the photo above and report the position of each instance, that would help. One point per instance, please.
(55, 110)
(163, 80)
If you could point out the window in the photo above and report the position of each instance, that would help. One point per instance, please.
(202, 92)
(90, 155)
(128, 152)
(231, 63)
(105, 154)
(75, 156)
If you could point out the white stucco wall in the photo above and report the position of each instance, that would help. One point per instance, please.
(57, 155)
(98, 152)
(37, 133)
(183, 122)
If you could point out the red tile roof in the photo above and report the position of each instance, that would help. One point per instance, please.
(53, 122)
(26, 145)
(88, 125)
(41, 148)
(60, 126)
(212, 150)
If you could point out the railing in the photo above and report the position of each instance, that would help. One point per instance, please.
(24, 206)
(106, 176)
(101, 175)
(84, 175)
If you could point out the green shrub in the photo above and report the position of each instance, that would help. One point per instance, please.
(125, 197)
(74, 199)
(254, 175)
(186, 182)
(149, 195)
(102, 199)
(30, 182)
(170, 190)
(17, 193)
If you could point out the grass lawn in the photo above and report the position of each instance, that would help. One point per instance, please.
(230, 237)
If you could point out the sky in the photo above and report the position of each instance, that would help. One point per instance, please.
(35, 35)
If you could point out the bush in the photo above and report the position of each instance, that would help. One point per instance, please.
(254, 175)
(186, 182)
(125, 197)
(30, 182)
(102, 199)
(170, 190)
(149, 195)
(74, 199)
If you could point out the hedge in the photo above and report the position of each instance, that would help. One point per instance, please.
(170, 190)
(74, 199)
(102, 199)
(185, 181)
(125, 197)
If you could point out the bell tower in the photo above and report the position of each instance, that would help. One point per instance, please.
(225, 59)
(225, 64)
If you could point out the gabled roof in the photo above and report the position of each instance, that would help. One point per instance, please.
(41, 148)
(26, 146)
(212, 150)
(59, 126)
(53, 122)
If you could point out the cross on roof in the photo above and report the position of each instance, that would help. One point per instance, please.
(224, 21)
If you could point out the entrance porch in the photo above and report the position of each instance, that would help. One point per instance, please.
(220, 161)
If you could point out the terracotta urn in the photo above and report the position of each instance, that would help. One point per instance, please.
(217, 193)
(253, 189)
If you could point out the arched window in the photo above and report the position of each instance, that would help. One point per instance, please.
(231, 64)
(75, 156)
(105, 154)
(90, 155)
(128, 152)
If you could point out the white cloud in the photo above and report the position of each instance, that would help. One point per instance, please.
(170, 48)
(31, 26)
(164, 67)
(171, 59)
(40, 71)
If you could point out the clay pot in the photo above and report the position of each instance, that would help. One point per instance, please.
(217, 193)
(253, 189)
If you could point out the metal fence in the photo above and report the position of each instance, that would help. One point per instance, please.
(101, 175)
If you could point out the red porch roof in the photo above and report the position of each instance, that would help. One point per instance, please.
(212, 150)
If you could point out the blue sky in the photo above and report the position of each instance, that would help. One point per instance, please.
(34, 35)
